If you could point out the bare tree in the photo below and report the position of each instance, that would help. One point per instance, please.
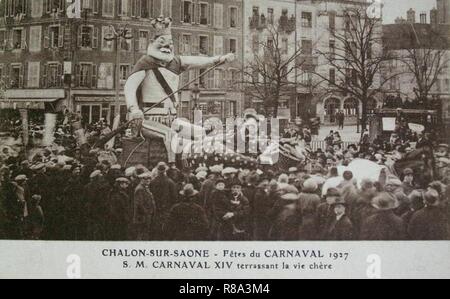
(425, 57)
(357, 58)
(270, 75)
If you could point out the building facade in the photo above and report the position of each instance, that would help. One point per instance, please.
(313, 23)
(433, 38)
(53, 62)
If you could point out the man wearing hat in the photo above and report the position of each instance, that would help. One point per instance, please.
(394, 186)
(384, 225)
(232, 214)
(119, 210)
(165, 194)
(429, 223)
(187, 220)
(96, 196)
(144, 211)
(325, 212)
(341, 228)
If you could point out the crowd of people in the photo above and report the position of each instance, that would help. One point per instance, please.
(57, 195)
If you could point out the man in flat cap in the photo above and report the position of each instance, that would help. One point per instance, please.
(144, 210)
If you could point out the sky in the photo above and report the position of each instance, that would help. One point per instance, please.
(398, 8)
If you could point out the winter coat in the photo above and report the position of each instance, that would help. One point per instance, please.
(383, 226)
(144, 207)
(309, 203)
(187, 222)
(324, 218)
(263, 203)
(236, 228)
(340, 229)
(287, 218)
(430, 223)
(165, 193)
(119, 214)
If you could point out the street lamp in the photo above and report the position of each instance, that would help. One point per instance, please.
(195, 95)
(118, 36)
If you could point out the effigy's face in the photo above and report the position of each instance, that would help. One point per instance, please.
(162, 48)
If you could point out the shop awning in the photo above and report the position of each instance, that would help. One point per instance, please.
(25, 103)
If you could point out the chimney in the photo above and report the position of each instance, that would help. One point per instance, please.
(411, 16)
(423, 18)
(434, 21)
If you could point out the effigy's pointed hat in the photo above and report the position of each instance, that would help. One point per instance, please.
(162, 26)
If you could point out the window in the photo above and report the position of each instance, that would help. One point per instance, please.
(86, 36)
(187, 12)
(166, 8)
(369, 51)
(218, 78)
(255, 76)
(446, 85)
(3, 39)
(107, 45)
(332, 21)
(203, 45)
(85, 75)
(204, 13)
(202, 79)
(269, 43)
(106, 76)
(306, 78)
(35, 38)
(108, 8)
(332, 76)
(218, 15)
(143, 41)
(146, 6)
(255, 43)
(186, 45)
(306, 19)
(56, 37)
(307, 47)
(125, 8)
(218, 45)
(233, 45)
(36, 8)
(33, 74)
(125, 45)
(270, 16)
(332, 49)
(233, 17)
(18, 39)
(54, 73)
(16, 76)
(285, 46)
(124, 72)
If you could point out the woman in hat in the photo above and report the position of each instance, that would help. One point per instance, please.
(119, 214)
(309, 203)
(286, 215)
(187, 220)
(341, 228)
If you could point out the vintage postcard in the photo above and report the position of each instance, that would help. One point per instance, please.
(264, 139)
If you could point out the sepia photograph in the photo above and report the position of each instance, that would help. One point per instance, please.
(225, 120)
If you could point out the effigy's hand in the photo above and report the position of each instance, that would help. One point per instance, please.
(230, 57)
(136, 114)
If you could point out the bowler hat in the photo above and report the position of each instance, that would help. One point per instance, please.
(162, 167)
(408, 171)
(339, 201)
(20, 178)
(122, 180)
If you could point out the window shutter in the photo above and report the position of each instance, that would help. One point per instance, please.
(59, 75)
(181, 9)
(195, 45)
(79, 37)
(77, 74)
(137, 39)
(47, 37)
(22, 75)
(194, 13)
(23, 45)
(139, 8)
(44, 75)
(61, 37)
(192, 74)
(95, 38)
(96, 6)
(94, 75)
(210, 80)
